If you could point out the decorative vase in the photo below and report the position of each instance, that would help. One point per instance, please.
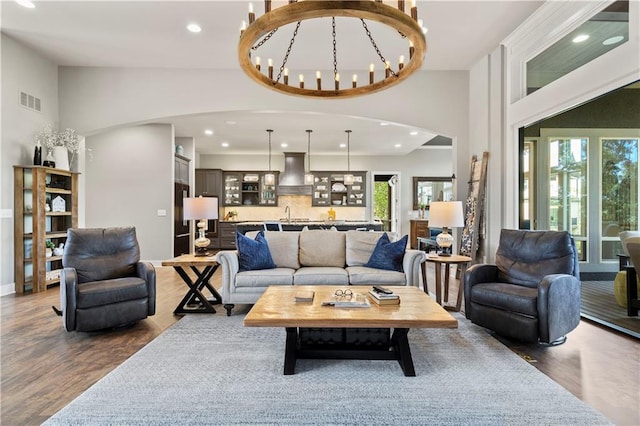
(48, 252)
(61, 157)
(37, 156)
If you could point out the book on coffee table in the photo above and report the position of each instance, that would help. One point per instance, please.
(385, 300)
(304, 296)
(357, 300)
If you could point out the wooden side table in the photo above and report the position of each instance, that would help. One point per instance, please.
(447, 261)
(208, 266)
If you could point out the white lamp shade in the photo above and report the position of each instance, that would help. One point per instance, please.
(446, 214)
(348, 179)
(199, 208)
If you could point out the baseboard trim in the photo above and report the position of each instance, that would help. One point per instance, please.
(7, 289)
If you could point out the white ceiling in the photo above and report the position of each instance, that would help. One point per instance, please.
(152, 34)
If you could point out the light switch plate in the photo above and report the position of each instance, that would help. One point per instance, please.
(162, 212)
(6, 213)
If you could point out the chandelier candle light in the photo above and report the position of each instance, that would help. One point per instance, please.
(260, 30)
(445, 214)
(201, 209)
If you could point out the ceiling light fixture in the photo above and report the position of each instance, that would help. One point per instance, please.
(208, 132)
(580, 38)
(194, 28)
(269, 178)
(26, 3)
(308, 176)
(225, 144)
(348, 177)
(613, 40)
(414, 133)
(260, 30)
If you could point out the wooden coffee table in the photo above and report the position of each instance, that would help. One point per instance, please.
(316, 331)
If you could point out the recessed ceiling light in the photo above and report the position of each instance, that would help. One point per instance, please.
(580, 38)
(613, 40)
(225, 144)
(414, 133)
(384, 123)
(26, 3)
(343, 145)
(194, 28)
(398, 145)
(284, 145)
(230, 122)
(208, 132)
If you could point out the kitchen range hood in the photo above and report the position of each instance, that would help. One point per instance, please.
(291, 181)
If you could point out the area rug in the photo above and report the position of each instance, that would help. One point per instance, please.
(209, 369)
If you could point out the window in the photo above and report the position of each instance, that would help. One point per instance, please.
(619, 183)
(568, 196)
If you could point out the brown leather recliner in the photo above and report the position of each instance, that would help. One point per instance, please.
(532, 293)
(103, 284)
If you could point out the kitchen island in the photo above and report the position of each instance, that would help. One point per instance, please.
(340, 225)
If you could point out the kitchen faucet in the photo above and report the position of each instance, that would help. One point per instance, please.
(287, 211)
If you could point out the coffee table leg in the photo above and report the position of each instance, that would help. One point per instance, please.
(290, 351)
(400, 344)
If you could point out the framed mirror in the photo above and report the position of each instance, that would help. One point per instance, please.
(428, 189)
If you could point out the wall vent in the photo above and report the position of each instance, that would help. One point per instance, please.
(30, 101)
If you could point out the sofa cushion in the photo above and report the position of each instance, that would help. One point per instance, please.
(283, 247)
(359, 246)
(322, 248)
(388, 255)
(265, 277)
(253, 254)
(318, 275)
(361, 275)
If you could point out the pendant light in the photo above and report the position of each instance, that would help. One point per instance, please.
(348, 177)
(308, 176)
(269, 178)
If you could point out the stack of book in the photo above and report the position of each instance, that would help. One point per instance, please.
(384, 298)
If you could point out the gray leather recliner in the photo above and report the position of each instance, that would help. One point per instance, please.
(103, 284)
(532, 293)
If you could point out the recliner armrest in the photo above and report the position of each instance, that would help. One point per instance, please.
(558, 306)
(68, 297)
(477, 274)
(147, 272)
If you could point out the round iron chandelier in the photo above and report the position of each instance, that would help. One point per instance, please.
(259, 31)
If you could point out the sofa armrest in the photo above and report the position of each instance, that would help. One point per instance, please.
(411, 266)
(477, 274)
(68, 297)
(558, 306)
(228, 260)
(147, 272)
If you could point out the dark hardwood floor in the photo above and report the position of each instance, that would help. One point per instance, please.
(44, 367)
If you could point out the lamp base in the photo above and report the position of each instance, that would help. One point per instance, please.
(201, 252)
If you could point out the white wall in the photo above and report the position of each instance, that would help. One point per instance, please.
(128, 180)
(93, 99)
(22, 69)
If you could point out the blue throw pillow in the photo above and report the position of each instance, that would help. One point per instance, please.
(388, 255)
(253, 254)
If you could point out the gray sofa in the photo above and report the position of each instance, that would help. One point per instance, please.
(314, 257)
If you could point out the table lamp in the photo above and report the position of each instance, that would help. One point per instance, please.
(201, 209)
(445, 214)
